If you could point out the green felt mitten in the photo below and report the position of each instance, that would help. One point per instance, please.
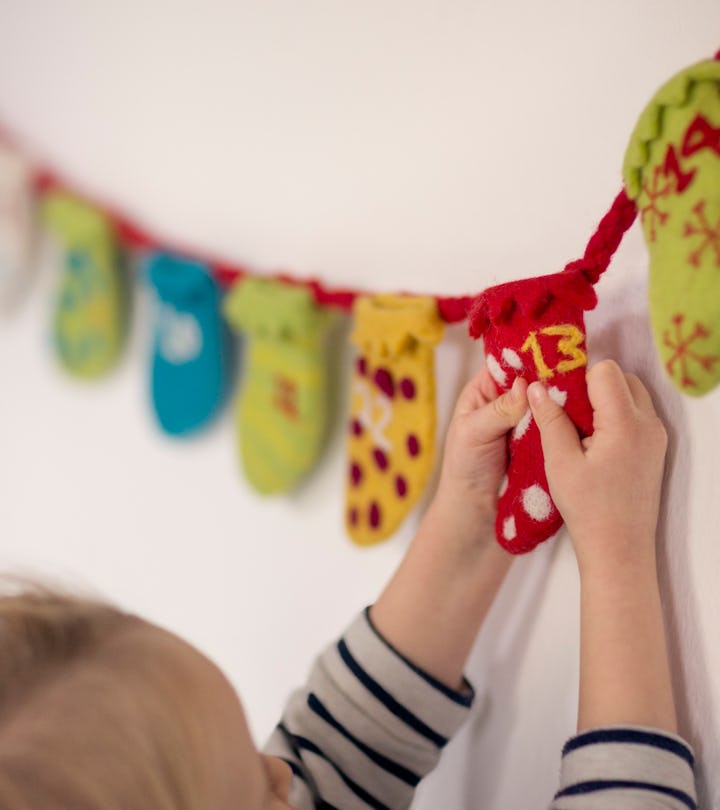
(672, 171)
(282, 408)
(90, 318)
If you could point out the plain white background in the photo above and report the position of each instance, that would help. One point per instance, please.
(424, 146)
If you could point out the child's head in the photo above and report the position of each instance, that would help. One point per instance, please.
(99, 708)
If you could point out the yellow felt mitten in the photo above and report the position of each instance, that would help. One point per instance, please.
(391, 442)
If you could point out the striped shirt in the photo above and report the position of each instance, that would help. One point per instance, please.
(369, 725)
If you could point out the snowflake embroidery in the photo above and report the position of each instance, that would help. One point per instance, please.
(710, 235)
(683, 353)
(654, 193)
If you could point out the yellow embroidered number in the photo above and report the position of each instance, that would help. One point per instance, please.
(570, 338)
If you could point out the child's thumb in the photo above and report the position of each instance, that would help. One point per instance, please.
(502, 414)
(557, 433)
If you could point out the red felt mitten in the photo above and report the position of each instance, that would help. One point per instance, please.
(535, 329)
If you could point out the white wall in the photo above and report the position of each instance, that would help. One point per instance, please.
(427, 146)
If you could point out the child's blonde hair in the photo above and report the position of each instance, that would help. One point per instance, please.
(90, 716)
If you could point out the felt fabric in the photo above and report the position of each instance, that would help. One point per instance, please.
(672, 170)
(535, 329)
(391, 431)
(91, 315)
(190, 362)
(282, 409)
(16, 227)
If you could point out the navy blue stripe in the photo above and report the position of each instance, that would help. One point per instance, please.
(389, 765)
(294, 767)
(633, 736)
(321, 804)
(462, 698)
(387, 699)
(308, 745)
(620, 784)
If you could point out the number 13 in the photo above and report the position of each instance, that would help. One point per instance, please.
(570, 338)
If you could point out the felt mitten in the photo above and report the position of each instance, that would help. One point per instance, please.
(90, 319)
(672, 171)
(282, 409)
(535, 329)
(391, 442)
(16, 227)
(190, 347)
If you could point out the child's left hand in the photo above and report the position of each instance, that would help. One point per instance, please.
(434, 605)
(475, 458)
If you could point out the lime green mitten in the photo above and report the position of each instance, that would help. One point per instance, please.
(672, 171)
(282, 408)
(90, 318)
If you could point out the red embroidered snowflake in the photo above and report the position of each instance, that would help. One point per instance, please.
(683, 353)
(654, 193)
(710, 235)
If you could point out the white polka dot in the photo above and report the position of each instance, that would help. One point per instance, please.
(556, 395)
(522, 425)
(536, 502)
(496, 371)
(503, 486)
(509, 530)
(512, 359)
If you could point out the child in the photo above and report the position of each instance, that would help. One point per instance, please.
(99, 709)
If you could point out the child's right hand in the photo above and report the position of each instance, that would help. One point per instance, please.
(607, 487)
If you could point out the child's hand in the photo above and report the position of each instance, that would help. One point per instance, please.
(476, 457)
(435, 603)
(607, 487)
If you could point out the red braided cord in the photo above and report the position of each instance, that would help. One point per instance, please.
(452, 309)
(135, 237)
(606, 239)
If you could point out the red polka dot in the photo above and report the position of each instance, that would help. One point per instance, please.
(353, 516)
(407, 388)
(356, 427)
(362, 366)
(380, 459)
(400, 486)
(384, 381)
(374, 515)
(356, 474)
(413, 444)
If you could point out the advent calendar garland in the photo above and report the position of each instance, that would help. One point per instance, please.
(532, 328)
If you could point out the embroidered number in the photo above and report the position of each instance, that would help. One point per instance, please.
(375, 414)
(570, 338)
(285, 399)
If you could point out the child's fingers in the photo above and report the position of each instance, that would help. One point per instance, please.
(609, 393)
(477, 393)
(559, 437)
(493, 421)
(640, 394)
